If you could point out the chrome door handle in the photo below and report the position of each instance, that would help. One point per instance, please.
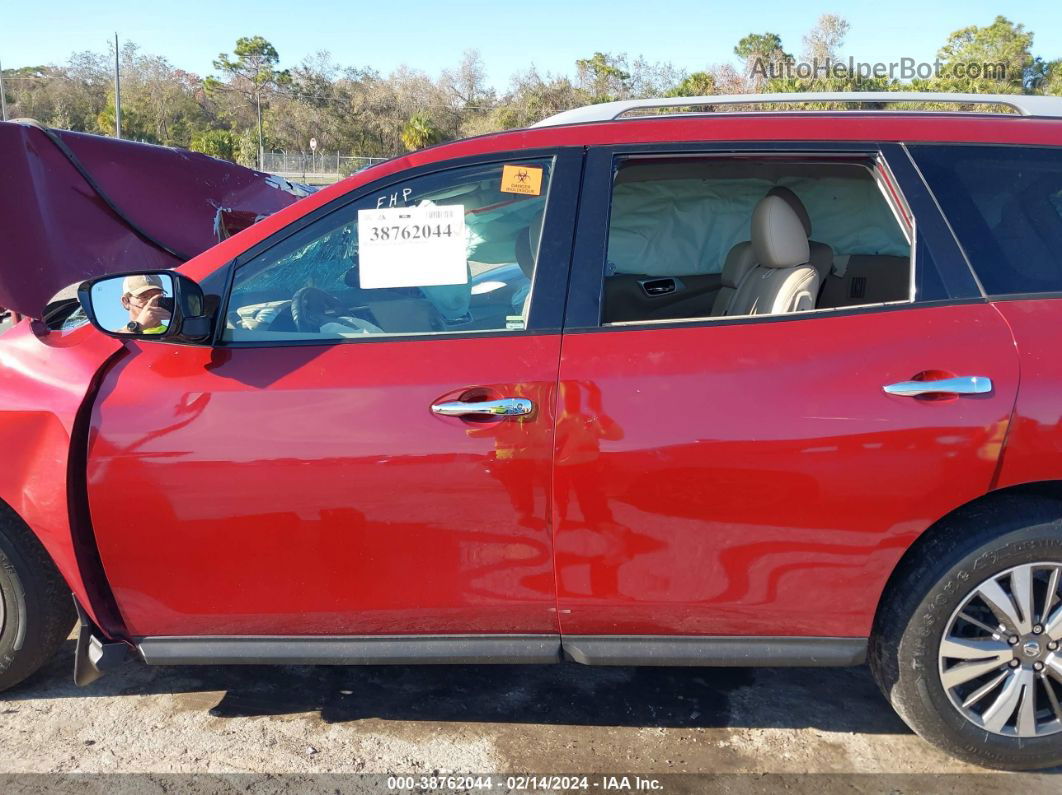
(506, 407)
(962, 385)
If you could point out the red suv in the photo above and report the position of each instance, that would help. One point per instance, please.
(638, 386)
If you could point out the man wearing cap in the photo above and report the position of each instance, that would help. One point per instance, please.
(140, 295)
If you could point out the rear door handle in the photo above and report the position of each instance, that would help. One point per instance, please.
(506, 407)
(961, 385)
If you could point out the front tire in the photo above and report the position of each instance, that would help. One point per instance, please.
(36, 610)
(966, 641)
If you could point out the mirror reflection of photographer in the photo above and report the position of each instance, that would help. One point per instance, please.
(145, 299)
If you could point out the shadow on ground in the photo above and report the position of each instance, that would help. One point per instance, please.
(829, 699)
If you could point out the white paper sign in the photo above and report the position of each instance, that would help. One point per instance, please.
(412, 246)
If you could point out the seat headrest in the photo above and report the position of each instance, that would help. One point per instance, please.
(739, 261)
(778, 238)
(793, 201)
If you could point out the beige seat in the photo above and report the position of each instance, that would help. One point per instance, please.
(782, 280)
(820, 254)
(739, 263)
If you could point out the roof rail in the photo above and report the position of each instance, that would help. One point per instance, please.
(1023, 104)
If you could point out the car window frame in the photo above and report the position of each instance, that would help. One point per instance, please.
(932, 240)
(549, 286)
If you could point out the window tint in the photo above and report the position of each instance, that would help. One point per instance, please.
(680, 239)
(1005, 204)
(445, 252)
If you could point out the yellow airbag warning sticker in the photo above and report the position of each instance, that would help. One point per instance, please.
(526, 180)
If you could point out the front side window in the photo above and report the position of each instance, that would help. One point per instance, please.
(451, 251)
(1005, 204)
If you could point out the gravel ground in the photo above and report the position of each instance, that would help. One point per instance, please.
(297, 721)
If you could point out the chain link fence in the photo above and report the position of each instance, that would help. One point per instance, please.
(318, 168)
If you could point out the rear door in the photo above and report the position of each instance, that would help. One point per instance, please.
(742, 476)
(330, 466)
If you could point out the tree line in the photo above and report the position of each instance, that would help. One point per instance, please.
(360, 111)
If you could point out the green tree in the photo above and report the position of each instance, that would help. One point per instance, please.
(1000, 52)
(762, 56)
(1050, 81)
(698, 84)
(420, 131)
(252, 73)
(604, 77)
(216, 143)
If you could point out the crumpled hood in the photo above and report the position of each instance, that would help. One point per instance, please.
(74, 206)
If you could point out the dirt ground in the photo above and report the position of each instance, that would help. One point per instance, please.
(301, 721)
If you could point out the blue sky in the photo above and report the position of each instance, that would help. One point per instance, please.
(551, 34)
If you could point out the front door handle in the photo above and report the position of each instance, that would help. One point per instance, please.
(506, 407)
(961, 385)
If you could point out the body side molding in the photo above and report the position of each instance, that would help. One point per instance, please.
(350, 650)
(715, 651)
(503, 649)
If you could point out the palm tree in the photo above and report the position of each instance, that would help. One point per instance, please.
(420, 131)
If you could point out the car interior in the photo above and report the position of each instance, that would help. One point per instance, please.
(721, 237)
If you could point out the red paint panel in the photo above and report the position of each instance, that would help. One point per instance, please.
(1034, 443)
(753, 478)
(310, 490)
(43, 382)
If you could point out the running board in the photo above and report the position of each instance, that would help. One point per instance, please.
(503, 649)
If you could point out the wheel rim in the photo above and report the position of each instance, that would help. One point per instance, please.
(999, 658)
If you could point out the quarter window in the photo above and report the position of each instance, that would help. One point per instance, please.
(452, 251)
(1005, 204)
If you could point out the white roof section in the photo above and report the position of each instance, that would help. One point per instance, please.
(1023, 105)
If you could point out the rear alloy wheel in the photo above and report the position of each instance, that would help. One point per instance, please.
(999, 657)
(966, 641)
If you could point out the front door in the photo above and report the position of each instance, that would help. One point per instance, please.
(335, 464)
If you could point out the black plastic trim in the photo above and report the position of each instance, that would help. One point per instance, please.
(716, 651)
(933, 227)
(995, 297)
(83, 534)
(503, 649)
(792, 317)
(351, 650)
(370, 339)
(93, 657)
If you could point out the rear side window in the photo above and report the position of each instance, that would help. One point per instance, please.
(1005, 204)
(680, 240)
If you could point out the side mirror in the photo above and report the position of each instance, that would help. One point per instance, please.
(148, 305)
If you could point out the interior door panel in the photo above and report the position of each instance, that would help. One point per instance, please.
(638, 297)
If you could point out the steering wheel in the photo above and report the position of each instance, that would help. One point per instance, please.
(312, 307)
